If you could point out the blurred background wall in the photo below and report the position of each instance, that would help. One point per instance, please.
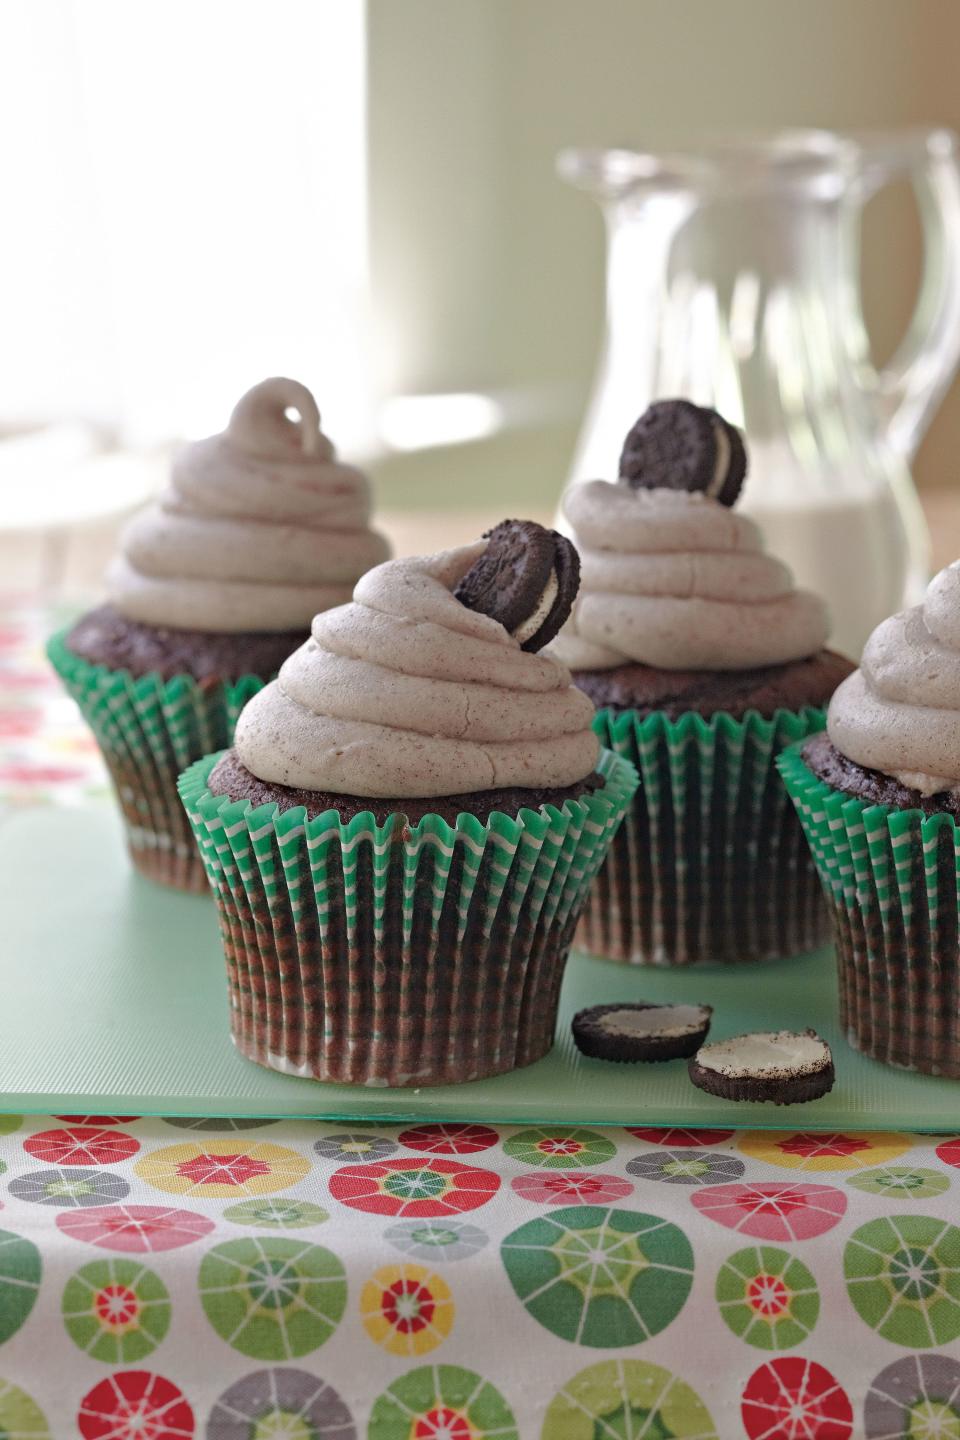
(364, 195)
(488, 272)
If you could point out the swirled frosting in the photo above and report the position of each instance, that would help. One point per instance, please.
(676, 580)
(261, 527)
(900, 712)
(407, 693)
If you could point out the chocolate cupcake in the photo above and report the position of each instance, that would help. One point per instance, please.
(704, 661)
(213, 587)
(879, 798)
(400, 842)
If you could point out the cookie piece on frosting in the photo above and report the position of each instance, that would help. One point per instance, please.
(407, 694)
(527, 578)
(676, 445)
(784, 1066)
(641, 1031)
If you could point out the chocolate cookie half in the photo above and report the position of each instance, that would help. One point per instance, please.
(641, 1031)
(527, 578)
(676, 445)
(784, 1066)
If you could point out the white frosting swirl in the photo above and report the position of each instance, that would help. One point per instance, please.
(679, 581)
(407, 693)
(900, 712)
(261, 528)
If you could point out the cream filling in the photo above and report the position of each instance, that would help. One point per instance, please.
(926, 784)
(765, 1053)
(723, 459)
(544, 605)
(665, 1020)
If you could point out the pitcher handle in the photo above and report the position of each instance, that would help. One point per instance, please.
(913, 384)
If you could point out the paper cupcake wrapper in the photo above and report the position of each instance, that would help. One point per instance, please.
(892, 881)
(395, 954)
(149, 729)
(710, 864)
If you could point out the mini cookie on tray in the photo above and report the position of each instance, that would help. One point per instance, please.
(785, 1066)
(641, 1031)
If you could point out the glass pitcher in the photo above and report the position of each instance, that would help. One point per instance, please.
(733, 280)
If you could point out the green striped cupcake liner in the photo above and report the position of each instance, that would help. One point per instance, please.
(710, 865)
(150, 729)
(892, 882)
(399, 954)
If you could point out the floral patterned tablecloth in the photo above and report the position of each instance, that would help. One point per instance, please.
(289, 1280)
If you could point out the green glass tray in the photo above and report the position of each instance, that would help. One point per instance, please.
(113, 1001)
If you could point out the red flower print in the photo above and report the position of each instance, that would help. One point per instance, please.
(222, 1169)
(84, 1145)
(135, 1405)
(949, 1152)
(116, 1305)
(408, 1306)
(40, 774)
(774, 1209)
(15, 724)
(407, 1310)
(560, 1145)
(96, 1119)
(449, 1139)
(821, 1152)
(418, 1189)
(767, 1294)
(135, 1229)
(443, 1424)
(28, 680)
(677, 1137)
(795, 1399)
(560, 1187)
(810, 1145)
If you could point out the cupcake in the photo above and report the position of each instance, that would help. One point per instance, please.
(401, 839)
(214, 586)
(878, 795)
(704, 660)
